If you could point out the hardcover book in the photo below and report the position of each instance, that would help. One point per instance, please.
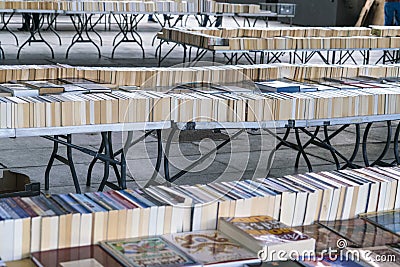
(92, 256)
(212, 248)
(151, 251)
(265, 233)
(362, 232)
(387, 220)
(324, 238)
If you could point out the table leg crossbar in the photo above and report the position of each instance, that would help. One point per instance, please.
(5, 25)
(82, 29)
(104, 154)
(127, 25)
(36, 36)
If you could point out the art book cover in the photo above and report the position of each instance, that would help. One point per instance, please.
(212, 248)
(387, 220)
(88, 256)
(362, 232)
(324, 238)
(266, 229)
(150, 251)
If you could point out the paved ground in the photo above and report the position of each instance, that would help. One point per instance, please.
(245, 156)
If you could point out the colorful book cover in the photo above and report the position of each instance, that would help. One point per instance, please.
(324, 238)
(266, 229)
(362, 232)
(387, 220)
(143, 252)
(212, 248)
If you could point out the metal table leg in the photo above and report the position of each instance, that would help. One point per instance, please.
(38, 39)
(67, 161)
(5, 25)
(81, 27)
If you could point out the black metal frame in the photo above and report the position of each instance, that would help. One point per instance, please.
(82, 27)
(5, 25)
(109, 158)
(36, 35)
(127, 24)
(104, 154)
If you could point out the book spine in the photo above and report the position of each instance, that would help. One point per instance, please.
(61, 204)
(99, 201)
(25, 207)
(42, 205)
(121, 200)
(73, 204)
(110, 201)
(21, 211)
(87, 203)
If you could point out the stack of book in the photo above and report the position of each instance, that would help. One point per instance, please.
(41, 223)
(161, 6)
(91, 103)
(262, 32)
(152, 78)
(379, 30)
(211, 6)
(259, 40)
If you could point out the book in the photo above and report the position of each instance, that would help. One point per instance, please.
(362, 233)
(147, 251)
(93, 256)
(265, 233)
(18, 89)
(324, 238)
(389, 220)
(278, 87)
(212, 248)
(45, 87)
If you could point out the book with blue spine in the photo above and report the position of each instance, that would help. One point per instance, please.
(53, 206)
(74, 204)
(3, 213)
(99, 201)
(62, 204)
(17, 209)
(278, 87)
(9, 213)
(115, 204)
(132, 197)
(87, 203)
(39, 201)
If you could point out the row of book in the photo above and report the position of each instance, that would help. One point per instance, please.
(172, 76)
(199, 39)
(89, 104)
(215, 248)
(262, 32)
(184, 6)
(172, 6)
(216, 7)
(42, 223)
